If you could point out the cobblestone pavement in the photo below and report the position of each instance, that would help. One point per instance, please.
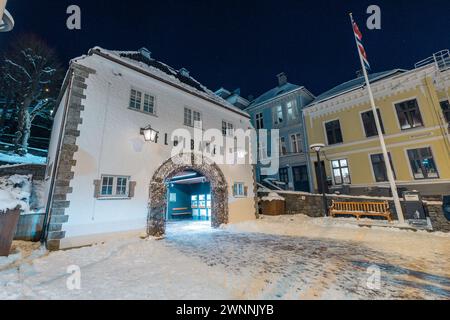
(266, 266)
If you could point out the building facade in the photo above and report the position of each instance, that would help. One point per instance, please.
(104, 178)
(414, 110)
(281, 108)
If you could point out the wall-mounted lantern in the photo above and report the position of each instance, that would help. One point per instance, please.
(149, 134)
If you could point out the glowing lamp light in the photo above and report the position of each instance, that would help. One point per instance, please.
(149, 134)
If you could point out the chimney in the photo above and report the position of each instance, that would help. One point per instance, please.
(184, 72)
(146, 53)
(282, 79)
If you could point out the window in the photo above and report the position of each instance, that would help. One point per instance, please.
(239, 189)
(445, 105)
(173, 197)
(142, 102)
(197, 120)
(334, 133)
(149, 103)
(369, 123)
(283, 149)
(284, 175)
(422, 164)
(296, 143)
(262, 149)
(379, 167)
(259, 120)
(408, 113)
(114, 186)
(341, 174)
(188, 117)
(278, 115)
(135, 99)
(227, 128)
(291, 109)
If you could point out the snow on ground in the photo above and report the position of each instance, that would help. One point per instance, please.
(288, 257)
(15, 190)
(28, 158)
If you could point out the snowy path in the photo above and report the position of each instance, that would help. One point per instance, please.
(274, 258)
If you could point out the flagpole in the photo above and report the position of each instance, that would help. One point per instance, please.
(398, 206)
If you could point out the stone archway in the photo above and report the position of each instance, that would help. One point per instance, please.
(156, 222)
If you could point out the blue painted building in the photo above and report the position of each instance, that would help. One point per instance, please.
(281, 108)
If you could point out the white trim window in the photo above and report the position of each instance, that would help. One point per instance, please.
(239, 190)
(296, 143)
(278, 115)
(291, 110)
(192, 118)
(341, 173)
(227, 128)
(142, 101)
(283, 147)
(114, 186)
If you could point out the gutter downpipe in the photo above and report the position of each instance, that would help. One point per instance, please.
(47, 217)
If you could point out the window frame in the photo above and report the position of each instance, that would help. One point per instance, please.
(284, 172)
(373, 168)
(143, 94)
(383, 131)
(114, 194)
(445, 113)
(259, 121)
(298, 139)
(235, 189)
(283, 150)
(340, 170)
(434, 162)
(326, 131)
(228, 132)
(395, 104)
(275, 113)
(295, 113)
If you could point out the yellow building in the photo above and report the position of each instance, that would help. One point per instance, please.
(415, 114)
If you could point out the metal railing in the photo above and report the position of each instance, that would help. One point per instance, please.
(441, 59)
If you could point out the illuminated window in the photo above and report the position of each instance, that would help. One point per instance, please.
(341, 173)
(422, 164)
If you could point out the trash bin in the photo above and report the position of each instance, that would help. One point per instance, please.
(8, 225)
(414, 210)
(273, 205)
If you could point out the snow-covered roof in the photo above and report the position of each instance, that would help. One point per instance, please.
(273, 93)
(180, 78)
(354, 84)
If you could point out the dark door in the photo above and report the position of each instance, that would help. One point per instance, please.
(301, 181)
(319, 178)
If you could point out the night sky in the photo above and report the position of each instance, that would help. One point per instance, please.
(245, 43)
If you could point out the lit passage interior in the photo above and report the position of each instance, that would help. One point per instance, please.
(189, 197)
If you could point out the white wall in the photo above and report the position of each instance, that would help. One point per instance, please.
(110, 143)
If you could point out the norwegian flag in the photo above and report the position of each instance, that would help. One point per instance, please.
(361, 50)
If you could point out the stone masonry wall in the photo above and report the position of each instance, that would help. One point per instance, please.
(37, 170)
(311, 205)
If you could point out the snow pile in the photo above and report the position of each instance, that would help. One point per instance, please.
(28, 158)
(15, 190)
(272, 196)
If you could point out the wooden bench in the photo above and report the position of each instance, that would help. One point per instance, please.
(181, 212)
(359, 209)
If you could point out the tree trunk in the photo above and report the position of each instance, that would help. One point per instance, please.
(23, 130)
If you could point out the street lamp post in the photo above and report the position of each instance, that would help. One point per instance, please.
(317, 148)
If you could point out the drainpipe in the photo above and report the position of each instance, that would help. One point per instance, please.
(48, 215)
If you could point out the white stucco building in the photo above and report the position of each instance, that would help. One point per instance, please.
(105, 180)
